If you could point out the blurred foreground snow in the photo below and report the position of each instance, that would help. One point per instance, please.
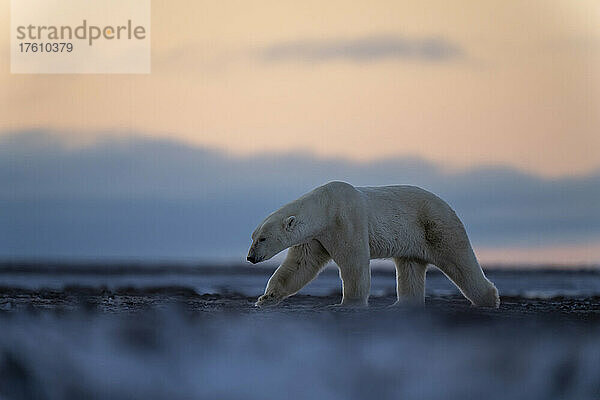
(403, 354)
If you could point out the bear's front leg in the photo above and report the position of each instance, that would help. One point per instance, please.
(301, 265)
(356, 277)
(274, 294)
(356, 284)
(349, 248)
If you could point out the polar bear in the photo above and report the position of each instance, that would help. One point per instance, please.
(352, 225)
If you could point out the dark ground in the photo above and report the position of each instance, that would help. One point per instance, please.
(152, 341)
(73, 299)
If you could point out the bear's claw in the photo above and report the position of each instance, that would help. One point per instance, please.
(268, 300)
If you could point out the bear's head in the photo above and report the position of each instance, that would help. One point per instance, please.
(274, 235)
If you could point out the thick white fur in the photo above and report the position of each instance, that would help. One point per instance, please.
(353, 225)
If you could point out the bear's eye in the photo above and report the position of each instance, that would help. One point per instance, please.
(262, 239)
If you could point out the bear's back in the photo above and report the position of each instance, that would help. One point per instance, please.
(397, 215)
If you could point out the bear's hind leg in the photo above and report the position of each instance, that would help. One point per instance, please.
(464, 270)
(410, 285)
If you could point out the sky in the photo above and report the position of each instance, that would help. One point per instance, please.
(151, 199)
(482, 93)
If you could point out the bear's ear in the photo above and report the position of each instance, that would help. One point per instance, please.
(289, 223)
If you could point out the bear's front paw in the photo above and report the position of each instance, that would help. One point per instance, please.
(268, 300)
(348, 305)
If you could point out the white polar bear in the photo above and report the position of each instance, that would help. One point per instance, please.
(352, 225)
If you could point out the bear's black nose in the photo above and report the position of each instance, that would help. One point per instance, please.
(251, 259)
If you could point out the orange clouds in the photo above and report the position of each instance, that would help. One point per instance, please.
(525, 91)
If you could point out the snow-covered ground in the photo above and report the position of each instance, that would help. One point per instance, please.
(120, 336)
